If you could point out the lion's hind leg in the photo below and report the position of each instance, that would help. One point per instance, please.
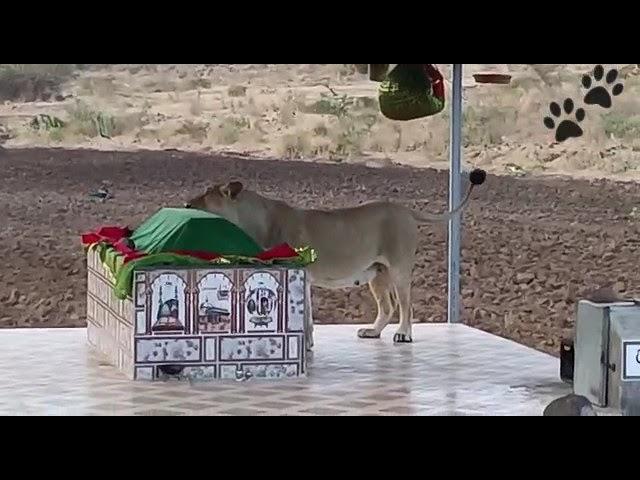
(383, 293)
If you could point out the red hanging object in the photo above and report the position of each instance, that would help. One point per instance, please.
(437, 80)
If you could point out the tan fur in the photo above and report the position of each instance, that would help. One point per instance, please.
(373, 243)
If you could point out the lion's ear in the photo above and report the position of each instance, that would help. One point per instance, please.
(231, 190)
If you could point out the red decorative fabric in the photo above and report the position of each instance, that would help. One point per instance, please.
(106, 234)
(117, 237)
(437, 80)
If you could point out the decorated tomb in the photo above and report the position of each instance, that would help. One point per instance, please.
(190, 295)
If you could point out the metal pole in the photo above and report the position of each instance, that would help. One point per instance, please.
(455, 172)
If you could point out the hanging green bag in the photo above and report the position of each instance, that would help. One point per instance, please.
(412, 91)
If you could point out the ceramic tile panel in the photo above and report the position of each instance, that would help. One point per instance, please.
(168, 350)
(261, 301)
(216, 301)
(176, 318)
(252, 348)
(296, 306)
(199, 373)
(258, 371)
(168, 302)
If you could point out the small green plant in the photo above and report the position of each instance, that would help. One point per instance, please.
(52, 126)
(105, 124)
(197, 83)
(621, 127)
(44, 122)
(91, 123)
(229, 130)
(295, 145)
(196, 130)
(348, 137)
(321, 130)
(32, 82)
(227, 134)
(487, 125)
(242, 123)
(237, 91)
(330, 104)
(56, 135)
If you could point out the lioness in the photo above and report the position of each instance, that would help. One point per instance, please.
(374, 243)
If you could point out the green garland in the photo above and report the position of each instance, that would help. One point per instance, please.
(123, 272)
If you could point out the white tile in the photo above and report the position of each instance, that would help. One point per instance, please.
(448, 370)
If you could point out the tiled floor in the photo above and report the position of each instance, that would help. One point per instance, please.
(448, 370)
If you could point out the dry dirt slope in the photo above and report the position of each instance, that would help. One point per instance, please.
(316, 112)
(530, 248)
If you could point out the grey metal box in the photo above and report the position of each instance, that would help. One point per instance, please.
(607, 355)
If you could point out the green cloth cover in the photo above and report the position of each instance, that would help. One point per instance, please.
(171, 234)
(185, 229)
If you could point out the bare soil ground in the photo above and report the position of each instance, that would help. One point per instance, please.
(531, 246)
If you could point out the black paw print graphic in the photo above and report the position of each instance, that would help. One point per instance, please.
(598, 93)
(567, 128)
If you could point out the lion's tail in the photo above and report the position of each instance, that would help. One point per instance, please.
(476, 177)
